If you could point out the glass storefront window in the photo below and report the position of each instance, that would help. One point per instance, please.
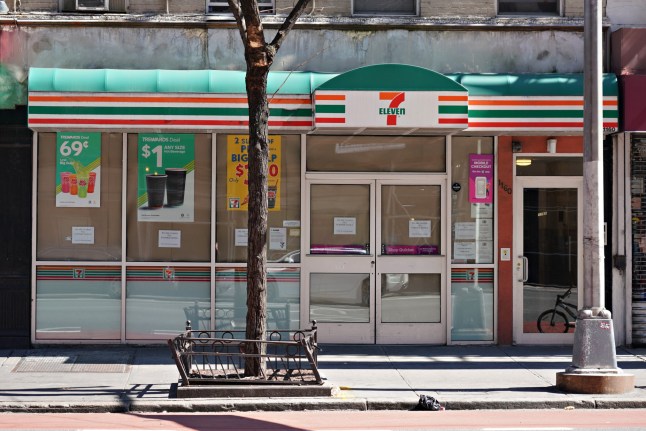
(472, 200)
(550, 246)
(340, 297)
(472, 296)
(340, 219)
(169, 217)
(284, 198)
(549, 166)
(283, 299)
(376, 154)
(79, 221)
(411, 298)
(78, 303)
(159, 301)
(411, 219)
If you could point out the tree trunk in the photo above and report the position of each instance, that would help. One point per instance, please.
(259, 56)
(257, 223)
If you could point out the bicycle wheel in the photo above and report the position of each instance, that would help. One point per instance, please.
(552, 322)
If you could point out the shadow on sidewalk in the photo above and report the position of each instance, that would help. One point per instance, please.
(81, 393)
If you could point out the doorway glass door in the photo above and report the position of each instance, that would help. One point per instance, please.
(548, 267)
(375, 268)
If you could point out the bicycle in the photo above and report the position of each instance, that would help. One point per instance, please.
(555, 320)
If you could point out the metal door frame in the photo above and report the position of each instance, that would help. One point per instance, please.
(543, 182)
(348, 332)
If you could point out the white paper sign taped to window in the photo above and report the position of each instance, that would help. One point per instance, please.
(419, 228)
(277, 238)
(170, 238)
(83, 235)
(242, 237)
(345, 225)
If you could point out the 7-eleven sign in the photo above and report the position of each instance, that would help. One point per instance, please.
(386, 109)
(394, 99)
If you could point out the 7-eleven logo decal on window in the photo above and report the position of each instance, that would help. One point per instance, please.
(393, 110)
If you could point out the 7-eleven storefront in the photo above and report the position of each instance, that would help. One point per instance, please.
(405, 206)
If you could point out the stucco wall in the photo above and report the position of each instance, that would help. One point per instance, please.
(626, 12)
(305, 49)
(320, 50)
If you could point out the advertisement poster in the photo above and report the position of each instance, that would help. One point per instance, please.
(238, 173)
(481, 178)
(166, 178)
(78, 169)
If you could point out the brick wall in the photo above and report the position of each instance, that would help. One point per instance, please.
(185, 6)
(430, 8)
(575, 8)
(36, 5)
(151, 6)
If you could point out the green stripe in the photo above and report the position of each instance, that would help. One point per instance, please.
(330, 109)
(159, 111)
(536, 113)
(453, 109)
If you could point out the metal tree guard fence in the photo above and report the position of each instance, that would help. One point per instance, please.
(218, 357)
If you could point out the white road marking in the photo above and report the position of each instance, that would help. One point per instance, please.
(528, 429)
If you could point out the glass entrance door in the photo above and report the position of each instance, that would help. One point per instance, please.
(548, 239)
(375, 268)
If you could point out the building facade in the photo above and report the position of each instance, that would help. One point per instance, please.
(628, 34)
(425, 174)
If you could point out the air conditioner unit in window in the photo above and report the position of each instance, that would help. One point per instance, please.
(92, 4)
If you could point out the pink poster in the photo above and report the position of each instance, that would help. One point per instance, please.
(481, 178)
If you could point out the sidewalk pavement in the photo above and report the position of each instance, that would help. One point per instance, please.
(144, 378)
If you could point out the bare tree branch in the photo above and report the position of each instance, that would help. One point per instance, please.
(234, 5)
(289, 23)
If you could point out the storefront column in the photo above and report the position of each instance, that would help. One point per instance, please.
(505, 240)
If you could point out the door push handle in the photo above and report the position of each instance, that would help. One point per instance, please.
(523, 266)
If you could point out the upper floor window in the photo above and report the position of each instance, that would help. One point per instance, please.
(384, 7)
(92, 6)
(265, 6)
(528, 7)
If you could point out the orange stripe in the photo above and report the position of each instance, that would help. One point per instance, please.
(149, 99)
(280, 101)
(388, 95)
(453, 98)
(526, 102)
(535, 102)
(330, 97)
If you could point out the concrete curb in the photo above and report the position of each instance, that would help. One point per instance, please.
(296, 404)
(64, 407)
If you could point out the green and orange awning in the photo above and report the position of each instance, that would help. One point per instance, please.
(390, 98)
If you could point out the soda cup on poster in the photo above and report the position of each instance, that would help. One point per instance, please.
(74, 189)
(82, 185)
(91, 182)
(272, 192)
(65, 182)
